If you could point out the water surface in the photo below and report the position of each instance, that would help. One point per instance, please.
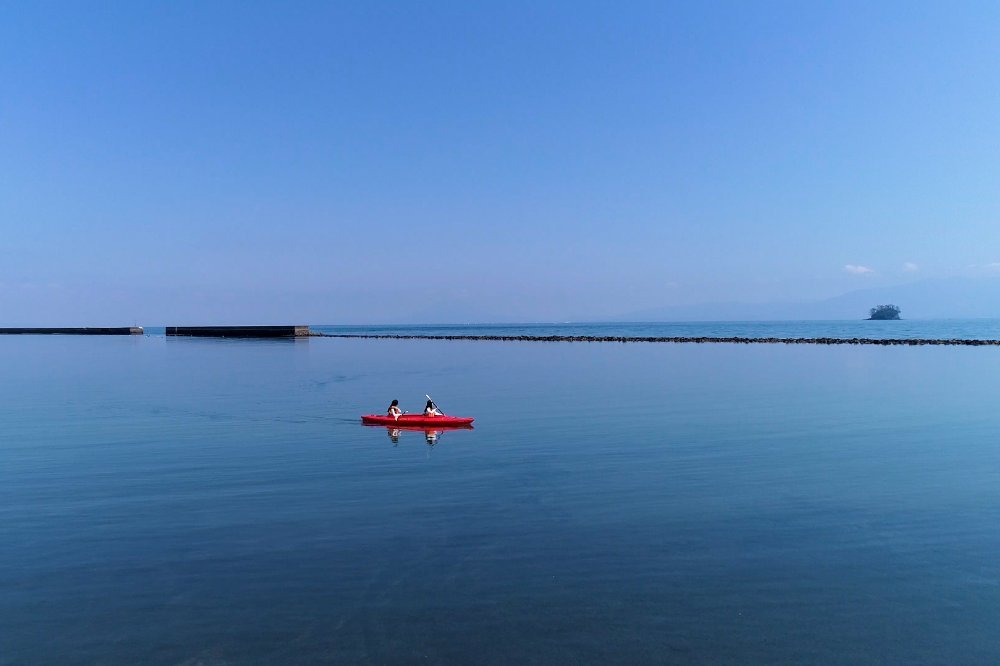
(185, 501)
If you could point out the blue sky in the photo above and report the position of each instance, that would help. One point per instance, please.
(191, 162)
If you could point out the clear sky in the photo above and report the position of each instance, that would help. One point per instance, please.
(246, 162)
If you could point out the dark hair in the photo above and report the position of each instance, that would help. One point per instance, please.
(430, 403)
(394, 403)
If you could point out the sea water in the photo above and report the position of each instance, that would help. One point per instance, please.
(208, 501)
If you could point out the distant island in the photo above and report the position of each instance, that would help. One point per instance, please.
(882, 312)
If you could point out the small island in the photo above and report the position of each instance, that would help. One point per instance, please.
(883, 312)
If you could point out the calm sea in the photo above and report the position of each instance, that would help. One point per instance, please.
(199, 501)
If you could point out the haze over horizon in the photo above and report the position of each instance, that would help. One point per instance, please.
(324, 163)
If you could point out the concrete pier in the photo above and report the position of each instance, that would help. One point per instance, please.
(122, 330)
(240, 331)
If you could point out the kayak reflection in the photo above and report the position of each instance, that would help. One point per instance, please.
(431, 435)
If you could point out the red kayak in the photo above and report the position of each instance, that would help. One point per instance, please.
(417, 420)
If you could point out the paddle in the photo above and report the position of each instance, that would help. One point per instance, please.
(434, 403)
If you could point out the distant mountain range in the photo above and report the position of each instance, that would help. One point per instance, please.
(943, 298)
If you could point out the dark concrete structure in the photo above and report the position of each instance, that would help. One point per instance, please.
(122, 330)
(240, 331)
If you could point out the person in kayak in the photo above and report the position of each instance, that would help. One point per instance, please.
(394, 410)
(431, 409)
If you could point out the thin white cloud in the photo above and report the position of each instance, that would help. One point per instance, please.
(993, 266)
(910, 267)
(855, 269)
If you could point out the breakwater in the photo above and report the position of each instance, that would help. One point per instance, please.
(239, 331)
(100, 330)
(885, 342)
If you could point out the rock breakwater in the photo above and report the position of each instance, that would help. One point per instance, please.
(884, 342)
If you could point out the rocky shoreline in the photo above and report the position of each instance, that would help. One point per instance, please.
(887, 342)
